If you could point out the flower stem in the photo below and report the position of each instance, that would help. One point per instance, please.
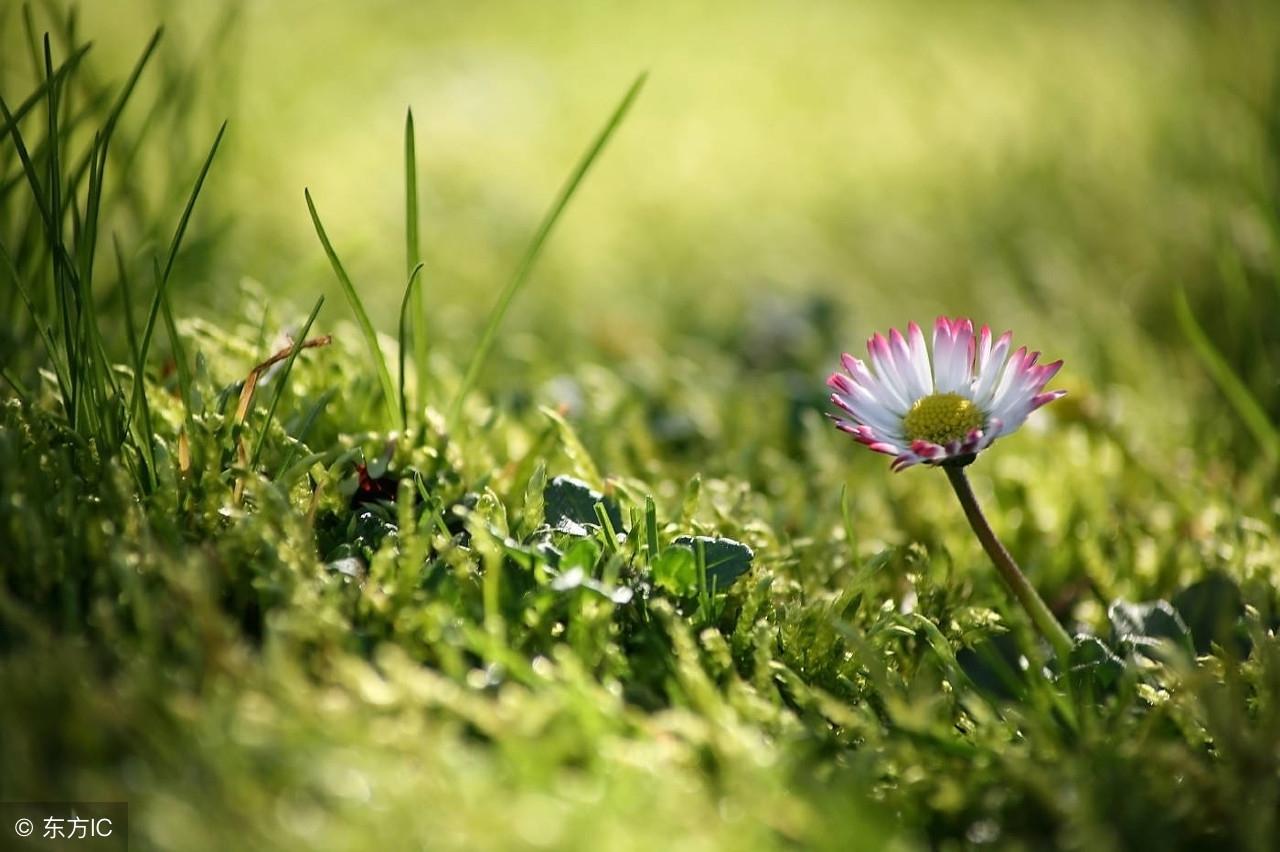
(1009, 571)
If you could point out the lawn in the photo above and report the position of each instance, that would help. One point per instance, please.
(414, 429)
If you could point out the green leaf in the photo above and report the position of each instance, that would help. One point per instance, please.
(569, 505)
(995, 666)
(534, 502)
(367, 530)
(576, 569)
(1092, 665)
(727, 560)
(676, 570)
(1144, 628)
(583, 554)
(1212, 608)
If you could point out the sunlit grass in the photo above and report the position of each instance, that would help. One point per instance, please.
(482, 557)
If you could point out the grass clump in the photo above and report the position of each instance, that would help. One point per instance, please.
(608, 603)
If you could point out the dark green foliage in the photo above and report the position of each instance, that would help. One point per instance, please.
(725, 559)
(1213, 610)
(1146, 627)
(569, 505)
(1093, 667)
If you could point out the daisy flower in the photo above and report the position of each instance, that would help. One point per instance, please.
(945, 410)
(942, 409)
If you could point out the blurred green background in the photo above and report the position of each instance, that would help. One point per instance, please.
(1059, 168)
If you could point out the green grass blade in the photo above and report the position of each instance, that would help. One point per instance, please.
(404, 305)
(143, 443)
(70, 125)
(1233, 388)
(126, 91)
(304, 428)
(11, 120)
(33, 42)
(413, 259)
(28, 167)
(535, 246)
(65, 286)
(651, 528)
(46, 336)
(104, 388)
(113, 114)
(357, 307)
(126, 296)
(149, 329)
(178, 234)
(22, 393)
(282, 380)
(179, 359)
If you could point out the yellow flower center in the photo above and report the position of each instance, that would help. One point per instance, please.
(942, 418)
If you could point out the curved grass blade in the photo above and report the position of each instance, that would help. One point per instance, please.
(113, 116)
(282, 380)
(357, 307)
(46, 335)
(404, 304)
(11, 120)
(1233, 388)
(535, 246)
(179, 357)
(126, 91)
(28, 167)
(149, 329)
(24, 395)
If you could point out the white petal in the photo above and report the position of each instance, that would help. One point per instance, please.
(896, 392)
(954, 365)
(920, 359)
(991, 362)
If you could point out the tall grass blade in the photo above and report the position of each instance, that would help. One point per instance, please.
(117, 108)
(357, 307)
(66, 288)
(535, 247)
(413, 259)
(28, 167)
(127, 90)
(11, 120)
(149, 329)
